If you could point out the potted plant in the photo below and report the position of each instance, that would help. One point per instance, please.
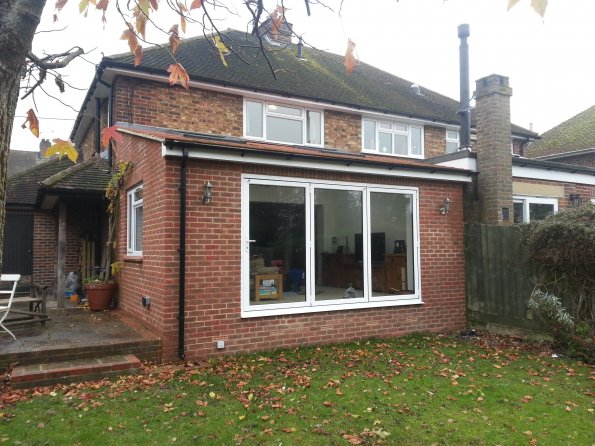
(100, 286)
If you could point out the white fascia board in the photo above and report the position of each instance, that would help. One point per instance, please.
(467, 163)
(247, 93)
(535, 173)
(333, 165)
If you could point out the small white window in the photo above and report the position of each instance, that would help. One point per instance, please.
(527, 209)
(452, 141)
(135, 220)
(283, 123)
(392, 138)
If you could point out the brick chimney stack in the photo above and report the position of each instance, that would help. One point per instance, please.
(494, 158)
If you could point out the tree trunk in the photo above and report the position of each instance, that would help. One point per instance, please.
(18, 22)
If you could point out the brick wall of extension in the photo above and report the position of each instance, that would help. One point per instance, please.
(213, 272)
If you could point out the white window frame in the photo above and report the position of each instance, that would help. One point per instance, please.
(132, 205)
(526, 200)
(302, 118)
(452, 140)
(394, 131)
(311, 305)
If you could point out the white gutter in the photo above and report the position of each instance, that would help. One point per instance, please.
(536, 173)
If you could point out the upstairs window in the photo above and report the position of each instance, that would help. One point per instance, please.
(392, 138)
(135, 220)
(452, 141)
(282, 123)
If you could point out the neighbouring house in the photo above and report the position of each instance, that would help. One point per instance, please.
(20, 160)
(571, 142)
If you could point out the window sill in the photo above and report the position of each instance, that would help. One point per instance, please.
(133, 259)
(250, 313)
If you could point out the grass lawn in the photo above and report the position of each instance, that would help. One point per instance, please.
(416, 390)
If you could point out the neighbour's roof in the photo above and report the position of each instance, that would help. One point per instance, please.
(318, 76)
(57, 175)
(285, 152)
(575, 134)
(20, 160)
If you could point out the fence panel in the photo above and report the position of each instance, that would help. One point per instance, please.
(497, 277)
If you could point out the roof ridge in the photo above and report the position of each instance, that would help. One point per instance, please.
(63, 174)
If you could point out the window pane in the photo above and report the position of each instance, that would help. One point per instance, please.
(138, 228)
(452, 135)
(338, 245)
(384, 126)
(369, 135)
(314, 126)
(385, 142)
(539, 211)
(451, 147)
(254, 119)
(517, 208)
(415, 141)
(400, 128)
(289, 111)
(401, 145)
(390, 242)
(278, 253)
(284, 130)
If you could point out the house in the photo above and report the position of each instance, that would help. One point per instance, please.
(571, 142)
(20, 160)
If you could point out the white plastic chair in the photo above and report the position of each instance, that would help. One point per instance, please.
(5, 307)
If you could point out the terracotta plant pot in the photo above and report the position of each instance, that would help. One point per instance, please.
(99, 295)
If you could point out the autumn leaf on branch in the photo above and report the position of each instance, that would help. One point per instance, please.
(60, 4)
(110, 133)
(84, 6)
(130, 36)
(182, 10)
(62, 148)
(33, 123)
(102, 6)
(277, 20)
(195, 4)
(221, 48)
(138, 55)
(154, 4)
(141, 20)
(174, 39)
(350, 61)
(538, 5)
(177, 73)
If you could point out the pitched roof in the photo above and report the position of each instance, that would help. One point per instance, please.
(57, 175)
(20, 160)
(577, 133)
(318, 76)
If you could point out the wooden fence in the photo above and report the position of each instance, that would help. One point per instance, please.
(498, 278)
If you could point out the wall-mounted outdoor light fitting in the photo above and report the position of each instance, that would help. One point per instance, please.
(575, 199)
(207, 195)
(445, 206)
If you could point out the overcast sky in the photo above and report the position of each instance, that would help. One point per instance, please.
(550, 61)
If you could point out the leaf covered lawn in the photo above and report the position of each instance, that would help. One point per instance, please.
(416, 390)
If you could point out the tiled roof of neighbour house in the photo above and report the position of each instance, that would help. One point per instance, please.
(318, 76)
(57, 176)
(575, 134)
(20, 160)
(22, 188)
(90, 176)
(286, 154)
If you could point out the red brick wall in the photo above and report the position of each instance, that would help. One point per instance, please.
(342, 131)
(434, 141)
(214, 264)
(45, 236)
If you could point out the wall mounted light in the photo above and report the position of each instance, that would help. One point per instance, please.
(575, 199)
(445, 206)
(207, 195)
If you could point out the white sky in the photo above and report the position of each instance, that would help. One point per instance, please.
(550, 61)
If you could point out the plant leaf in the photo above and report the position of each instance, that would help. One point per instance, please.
(277, 20)
(138, 55)
(221, 48)
(177, 73)
(511, 3)
(110, 133)
(33, 123)
(174, 39)
(62, 148)
(60, 4)
(195, 4)
(154, 4)
(182, 11)
(350, 61)
(130, 35)
(539, 6)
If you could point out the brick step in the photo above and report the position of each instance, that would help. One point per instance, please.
(72, 371)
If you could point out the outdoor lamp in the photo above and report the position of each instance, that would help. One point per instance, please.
(575, 199)
(207, 195)
(445, 206)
